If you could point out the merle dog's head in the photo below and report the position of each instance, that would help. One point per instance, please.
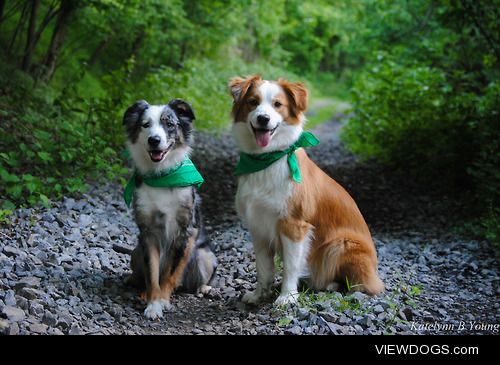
(158, 135)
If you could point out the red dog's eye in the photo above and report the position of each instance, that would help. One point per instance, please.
(277, 104)
(253, 102)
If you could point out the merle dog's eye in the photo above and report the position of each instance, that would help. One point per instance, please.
(277, 104)
(146, 125)
(253, 102)
(170, 124)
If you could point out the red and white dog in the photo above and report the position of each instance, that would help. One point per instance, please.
(315, 226)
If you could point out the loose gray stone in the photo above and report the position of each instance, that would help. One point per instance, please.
(359, 296)
(64, 258)
(69, 203)
(85, 220)
(13, 314)
(13, 329)
(64, 321)
(121, 248)
(55, 332)
(49, 319)
(330, 317)
(336, 329)
(366, 321)
(10, 298)
(4, 327)
(13, 252)
(48, 217)
(30, 293)
(408, 312)
(22, 302)
(75, 235)
(36, 309)
(38, 328)
(75, 330)
(343, 320)
(295, 330)
(29, 282)
(302, 314)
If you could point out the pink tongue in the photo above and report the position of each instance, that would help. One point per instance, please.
(156, 156)
(262, 138)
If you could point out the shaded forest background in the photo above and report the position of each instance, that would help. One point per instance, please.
(421, 76)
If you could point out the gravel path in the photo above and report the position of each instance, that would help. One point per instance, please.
(62, 269)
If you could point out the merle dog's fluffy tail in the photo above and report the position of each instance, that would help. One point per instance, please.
(201, 267)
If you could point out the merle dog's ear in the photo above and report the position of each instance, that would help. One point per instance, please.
(182, 109)
(134, 112)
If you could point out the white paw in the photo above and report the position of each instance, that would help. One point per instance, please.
(166, 305)
(154, 310)
(252, 297)
(289, 298)
(205, 289)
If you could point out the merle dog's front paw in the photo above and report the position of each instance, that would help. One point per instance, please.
(154, 310)
(252, 297)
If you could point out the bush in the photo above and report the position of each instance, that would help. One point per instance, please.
(47, 150)
(406, 116)
(432, 127)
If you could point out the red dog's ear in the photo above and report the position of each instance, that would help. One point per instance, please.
(240, 86)
(297, 94)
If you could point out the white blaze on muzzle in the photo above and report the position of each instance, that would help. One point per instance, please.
(264, 132)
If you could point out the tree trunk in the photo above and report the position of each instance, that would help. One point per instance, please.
(30, 39)
(58, 35)
(51, 13)
(137, 42)
(98, 51)
(2, 7)
(19, 26)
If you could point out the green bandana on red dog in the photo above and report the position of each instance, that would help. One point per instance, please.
(250, 163)
(183, 175)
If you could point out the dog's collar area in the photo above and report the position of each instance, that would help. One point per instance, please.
(250, 163)
(183, 174)
(161, 173)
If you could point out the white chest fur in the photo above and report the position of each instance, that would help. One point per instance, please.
(167, 201)
(261, 199)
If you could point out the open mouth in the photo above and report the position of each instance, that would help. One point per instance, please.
(263, 136)
(158, 155)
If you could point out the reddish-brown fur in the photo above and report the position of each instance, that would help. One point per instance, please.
(242, 90)
(342, 245)
(297, 96)
(171, 282)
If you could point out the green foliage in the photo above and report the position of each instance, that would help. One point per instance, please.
(429, 106)
(487, 226)
(398, 108)
(4, 216)
(47, 154)
(284, 321)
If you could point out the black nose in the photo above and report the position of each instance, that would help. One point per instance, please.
(154, 141)
(263, 120)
